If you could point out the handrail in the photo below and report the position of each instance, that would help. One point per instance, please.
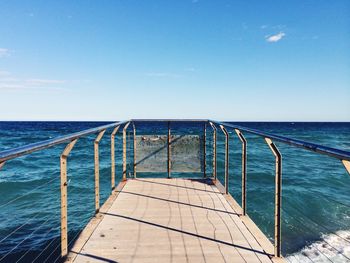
(37, 146)
(169, 120)
(71, 139)
(333, 152)
(342, 155)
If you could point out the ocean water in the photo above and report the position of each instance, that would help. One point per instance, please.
(316, 188)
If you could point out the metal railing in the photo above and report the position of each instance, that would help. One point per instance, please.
(71, 140)
(343, 156)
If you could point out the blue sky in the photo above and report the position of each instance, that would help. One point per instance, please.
(229, 60)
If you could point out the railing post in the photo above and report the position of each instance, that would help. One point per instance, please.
(226, 157)
(205, 150)
(124, 150)
(168, 151)
(134, 135)
(345, 163)
(278, 194)
(2, 164)
(214, 150)
(97, 171)
(244, 171)
(113, 157)
(64, 215)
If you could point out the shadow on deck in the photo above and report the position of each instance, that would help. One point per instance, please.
(171, 220)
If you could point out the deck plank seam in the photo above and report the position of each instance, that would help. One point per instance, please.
(213, 225)
(95, 221)
(236, 226)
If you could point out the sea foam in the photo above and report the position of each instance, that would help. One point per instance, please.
(333, 247)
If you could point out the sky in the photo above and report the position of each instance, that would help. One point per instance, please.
(241, 60)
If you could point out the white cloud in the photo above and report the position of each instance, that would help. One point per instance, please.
(8, 82)
(4, 73)
(275, 38)
(13, 87)
(4, 52)
(6, 86)
(44, 81)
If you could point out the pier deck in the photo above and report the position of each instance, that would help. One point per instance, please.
(171, 220)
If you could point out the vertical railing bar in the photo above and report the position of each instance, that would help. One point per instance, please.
(345, 163)
(114, 132)
(205, 150)
(214, 150)
(226, 157)
(64, 203)
(124, 150)
(278, 195)
(169, 150)
(244, 171)
(134, 137)
(97, 170)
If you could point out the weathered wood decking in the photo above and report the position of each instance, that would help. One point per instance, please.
(171, 220)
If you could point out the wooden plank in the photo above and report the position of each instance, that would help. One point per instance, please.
(92, 225)
(172, 220)
(260, 237)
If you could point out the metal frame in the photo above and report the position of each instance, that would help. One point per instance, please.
(244, 171)
(169, 151)
(214, 151)
(124, 150)
(71, 139)
(97, 170)
(332, 152)
(346, 165)
(64, 198)
(226, 158)
(114, 132)
(205, 150)
(134, 135)
(278, 195)
(34, 147)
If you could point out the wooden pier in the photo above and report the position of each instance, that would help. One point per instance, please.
(171, 220)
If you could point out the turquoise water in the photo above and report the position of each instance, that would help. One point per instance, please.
(316, 189)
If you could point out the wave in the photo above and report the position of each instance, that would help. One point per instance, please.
(333, 247)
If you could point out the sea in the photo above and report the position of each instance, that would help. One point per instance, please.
(315, 191)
